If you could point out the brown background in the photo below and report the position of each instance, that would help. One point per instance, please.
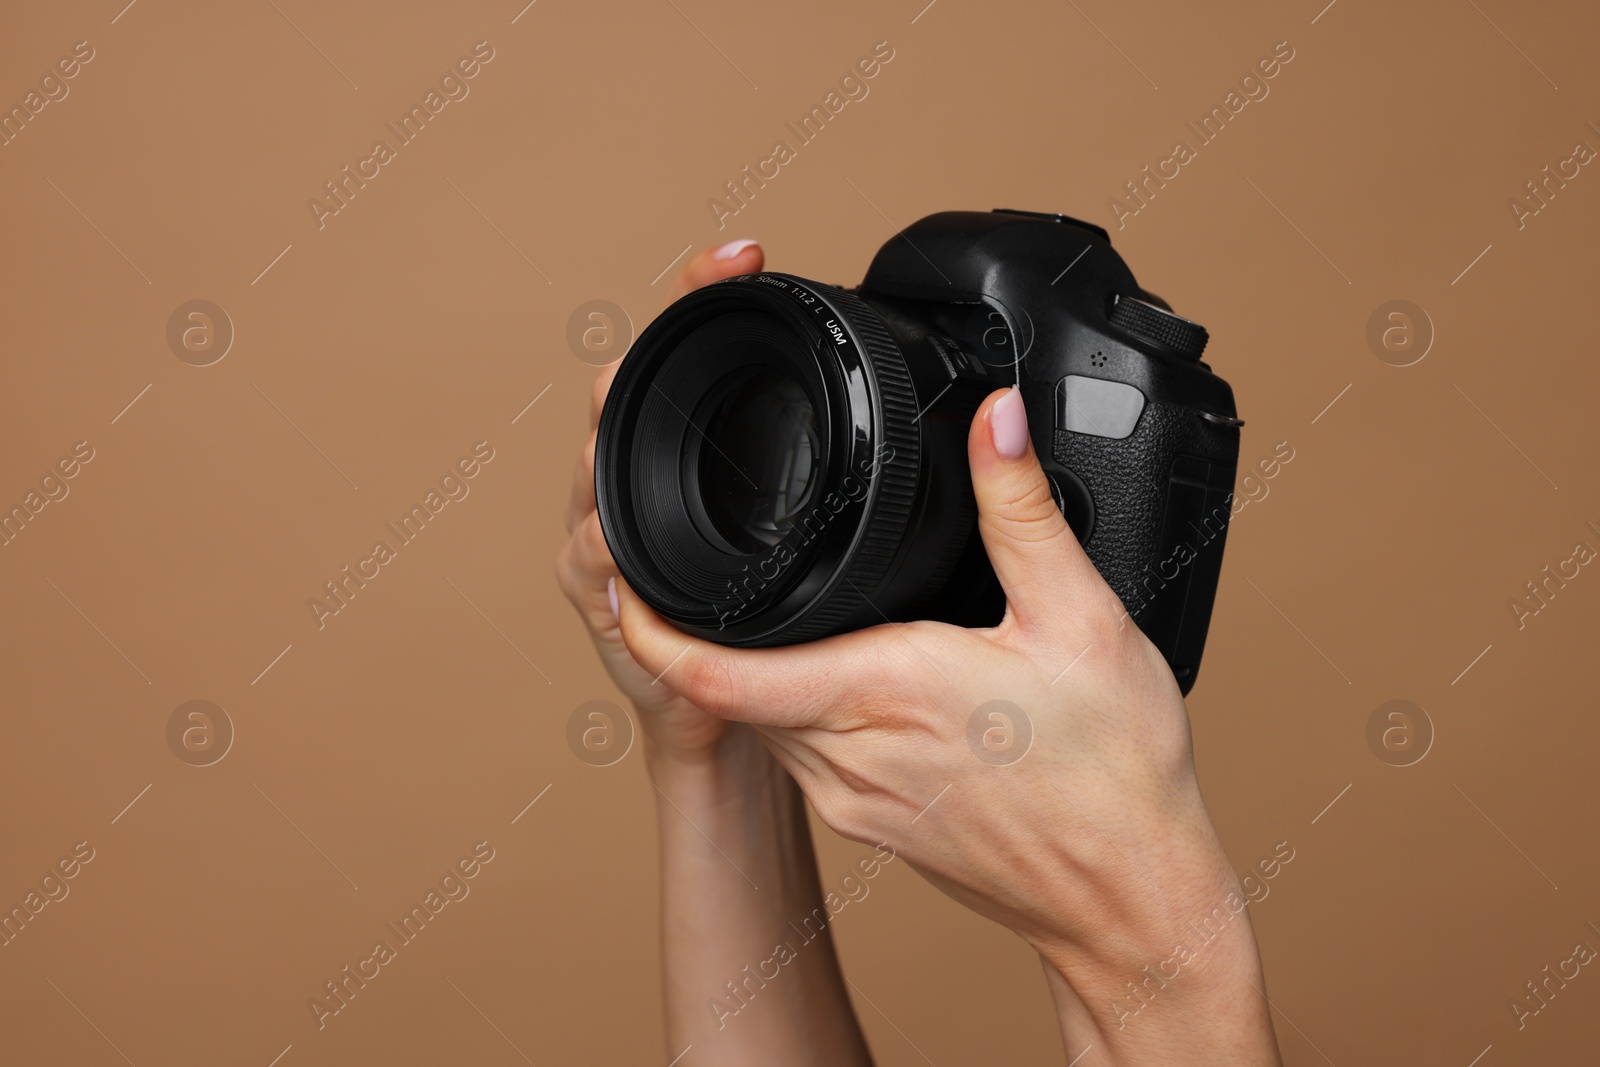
(378, 349)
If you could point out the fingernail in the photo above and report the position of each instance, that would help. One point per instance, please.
(611, 595)
(1008, 422)
(731, 249)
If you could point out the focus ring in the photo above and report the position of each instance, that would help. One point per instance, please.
(897, 457)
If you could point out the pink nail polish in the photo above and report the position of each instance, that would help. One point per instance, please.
(1008, 422)
(611, 594)
(731, 249)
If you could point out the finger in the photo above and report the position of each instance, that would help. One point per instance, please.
(597, 394)
(715, 264)
(583, 568)
(831, 683)
(1048, 580)
(580, 502)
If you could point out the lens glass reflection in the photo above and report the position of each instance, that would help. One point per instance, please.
(758, 460)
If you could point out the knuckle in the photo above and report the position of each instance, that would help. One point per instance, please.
(591, 551)
(566, 577)
(712, 683)
(583, 561)
(876, 707)
(593, 536)
(1027, 512)
(881, 697)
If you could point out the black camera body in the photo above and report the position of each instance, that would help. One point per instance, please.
(780, 460)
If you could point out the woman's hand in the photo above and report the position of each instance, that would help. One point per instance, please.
(1095, 845)
(673, 727)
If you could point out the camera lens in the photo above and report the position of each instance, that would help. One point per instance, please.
(756, 461)
(761, 473)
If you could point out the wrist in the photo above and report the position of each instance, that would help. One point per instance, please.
(732, 770)
(740, 819)
(1180, 984)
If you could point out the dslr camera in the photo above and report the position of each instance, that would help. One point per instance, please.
(780, 460)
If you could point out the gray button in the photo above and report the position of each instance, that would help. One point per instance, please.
(1097, 407)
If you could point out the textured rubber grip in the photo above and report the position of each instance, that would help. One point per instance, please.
(1161, 499)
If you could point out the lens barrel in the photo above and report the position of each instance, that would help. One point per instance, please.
(759, 463)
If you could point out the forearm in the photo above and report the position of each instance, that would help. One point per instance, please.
(737, 869)
(1180, 984)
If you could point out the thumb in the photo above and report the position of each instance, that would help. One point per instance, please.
(1048, 580)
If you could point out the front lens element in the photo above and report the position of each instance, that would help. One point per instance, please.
(757, 462)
